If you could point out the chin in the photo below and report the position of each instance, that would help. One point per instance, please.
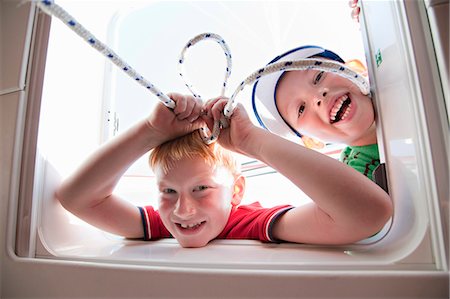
(192, 243)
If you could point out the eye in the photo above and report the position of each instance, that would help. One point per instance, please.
(201, 188)
(318, 77)
(169, 191)
(301, 109)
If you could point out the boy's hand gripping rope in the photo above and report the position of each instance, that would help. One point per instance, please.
(49, 7)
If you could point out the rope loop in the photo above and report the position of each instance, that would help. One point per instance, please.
(192, 42)
(223, 122)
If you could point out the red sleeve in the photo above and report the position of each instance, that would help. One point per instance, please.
(152, 224)
(253, 222)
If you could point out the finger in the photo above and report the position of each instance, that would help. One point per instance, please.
(175, 96)
(189, 107)
(353, 3)
(239, 112)
(207, 107)
(208, 121)
(210, 103)
(217, 109)
(196, 111)
(181, 103)
(355, 13)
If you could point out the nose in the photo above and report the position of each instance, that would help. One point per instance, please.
(185, 207)
(322, 95)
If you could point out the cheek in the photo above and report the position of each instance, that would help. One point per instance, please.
(219, 216)
(365, 113)
(215, 204)
(165, 207)
(369, 108)
(220, 202)
(311, 125)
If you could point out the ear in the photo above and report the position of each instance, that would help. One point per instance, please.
(312, 143)
(238, 190)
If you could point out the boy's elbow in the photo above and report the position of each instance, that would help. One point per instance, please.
(66, 198)
(388, 208)
(368, 222)
(380, 213)
(60, 195)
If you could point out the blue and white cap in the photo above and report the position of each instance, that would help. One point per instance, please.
(264, 92)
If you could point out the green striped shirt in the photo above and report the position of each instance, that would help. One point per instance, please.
(362, 158)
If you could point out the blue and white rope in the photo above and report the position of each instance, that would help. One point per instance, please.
(223, 122)
(320, 64)
(226, 50)
(49, 7)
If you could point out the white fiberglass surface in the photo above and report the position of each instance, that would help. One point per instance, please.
(83, 95)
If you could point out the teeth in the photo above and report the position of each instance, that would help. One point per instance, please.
(346, 112)
(337, 106)
(190, 225)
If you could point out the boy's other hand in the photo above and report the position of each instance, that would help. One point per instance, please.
(168, 123)
(355, 9)
(236, 136)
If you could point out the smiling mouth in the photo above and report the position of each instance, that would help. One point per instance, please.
(341, 109)
(191, 226)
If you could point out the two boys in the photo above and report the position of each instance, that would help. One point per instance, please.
(201, 186)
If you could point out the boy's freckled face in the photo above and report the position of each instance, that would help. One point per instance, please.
(195, 200)
(326, 106)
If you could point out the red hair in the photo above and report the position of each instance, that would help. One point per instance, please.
(188, 147)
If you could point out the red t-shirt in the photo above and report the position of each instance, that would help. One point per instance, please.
(245, 222)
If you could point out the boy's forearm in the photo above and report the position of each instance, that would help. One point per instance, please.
(96, 178)
(336, 188)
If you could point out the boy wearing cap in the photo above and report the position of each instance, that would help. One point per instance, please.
(201, 189)
(321, 105)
